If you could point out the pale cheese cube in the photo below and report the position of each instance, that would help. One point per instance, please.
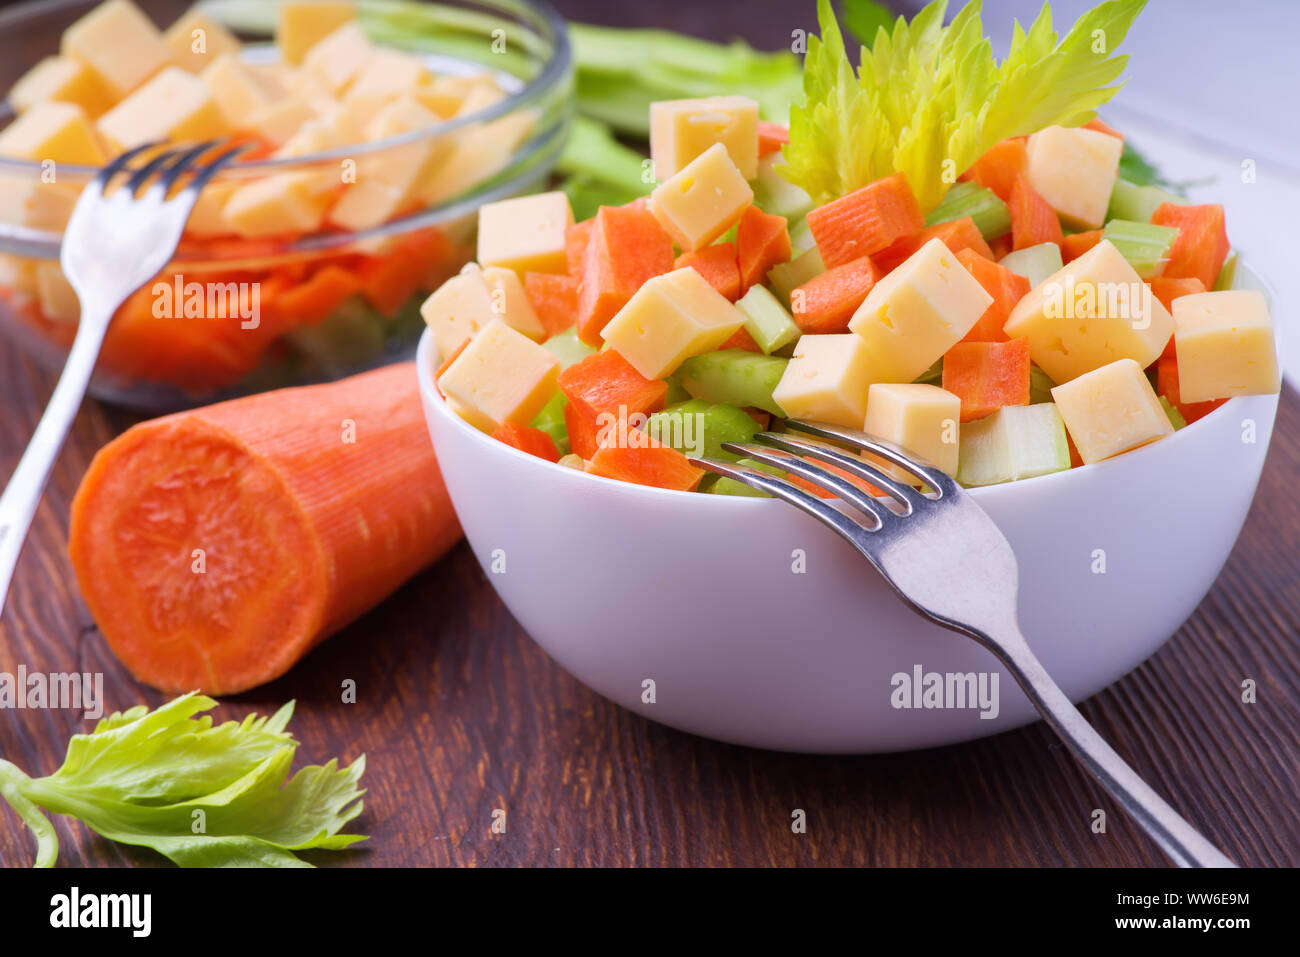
(1110, 410)
(680, 130)
(1225, 345)
(304, 23)
(827, 380)
(390, 177)
(340, 57)
(917, 312)
(279, 119)
(18, 273)
(671, 318)
(480, 95)
(386, 75)
(52, 131)
(28, 202)
(366, 204)
(237, 90)
(458, 309)
(511, 303)
(501, 376)
(1074, 170)
(1088, 314)
(208, 218)
(174, 105)
(57, 297)
(443, 95)
(525, 234)
(64, 79)
(119, 43)
(196, 41)
(923, 419)
(277, 204)
(702, 200)
(477, 154)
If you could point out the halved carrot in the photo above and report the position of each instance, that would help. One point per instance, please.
(1167, 289)
(388, 282)
(1076, 244)
(827, 302)
(653, 464)
(865, 221)
(762, 241)
(1100, 127)
(627, 247)
(998, 168)
(771, 137)
(717, 264)
(1006, 287)
(987, 375)
(527, 439)
(1167, 385)
(216, 547)
(576, 238)
(957, 234)
(554, 298)
(741, 339)
(1202, 243)
(1032, 220)
(601, 388)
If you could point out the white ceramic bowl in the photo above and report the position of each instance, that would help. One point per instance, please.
(622, 584)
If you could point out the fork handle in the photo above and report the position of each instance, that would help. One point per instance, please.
(23, 493)
(1182, 842)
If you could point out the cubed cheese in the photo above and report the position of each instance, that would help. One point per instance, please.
(26, 201)
(680, 130)
(511, 303)
(174, 105)
(340, 56)
(476, 154)
(501, 376)
(237, 90)
(57, 298)
(1110, 410)
(458, 309)
(119, 43)
(196, 41)
(278, 120)
(208, 218)
(304, 23)
(18, 273)
(443, 94)
(64, 79)
(1074, 170)
(481, 94)
(386, 75)
(827, 380)
(702, 200)
(670, 318)
(1225, 345)
(391, 176)
(277, 204)
(1090, 313)
(923, 419)
(52, 131)
(917, 312)
(525, 234)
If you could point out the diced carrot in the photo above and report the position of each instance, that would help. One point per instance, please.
(741, 339)
(216, 547)
(527, 439)
(998, 168)
(820, 492)
(1076, 244)
(584, 428)
(388, 282)
(313, 300)
(762, 241)
(554, 298)
(1100, 127)
(764, 419)
(627, 247)
(827, 302)
(1075, 458)
(987, 375)
(653, 464)
(865, 221)
(576, 238)
(717, 264)
(1000, 246)
(1167, 385)
(1166, 290)
(1202, 243)
(1006, 287)
(1032, 220)
(605, 384)
(957, 234)
(771, 137)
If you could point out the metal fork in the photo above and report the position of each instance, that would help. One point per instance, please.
(949, 562)
(115, 242)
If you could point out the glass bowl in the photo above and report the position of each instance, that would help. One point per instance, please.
(232, 315)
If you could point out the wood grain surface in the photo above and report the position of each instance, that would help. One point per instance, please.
(460, 714)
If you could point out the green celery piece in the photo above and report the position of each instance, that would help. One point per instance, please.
(734, 377)
(991, 215)
(1146, 247)
(1015, 442)
(567, 347)
(865, 18)
(551, 421)
(698, 428)
(801, 238)
(727, 486)
(353, 334)
(1175, 417)
(932, 375)
(676, 392)
(1040, 385)
(774, 194)
(787, 277)
(1135, 203)
(1227, 274)
(1035, 263)
(587, 195)
(766, 320)
(593, 153)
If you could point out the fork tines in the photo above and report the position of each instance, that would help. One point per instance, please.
(164, 170)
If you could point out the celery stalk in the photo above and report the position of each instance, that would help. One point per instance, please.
(1035, 263)
(567, 347)
(734, 377)
(726, 486)
(1135, 203)
(551, 421)
(698, 428)
(991, 216)
(1227, 274)
(787, 277)
(1146, 247)
(766, 320)
(1175, 417)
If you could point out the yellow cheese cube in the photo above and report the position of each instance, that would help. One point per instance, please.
(923, 419)
(278, 120)
(671, 318)
(28, 202)
(388, 179)
(1110, 410)
(208, 217)
(386, 75)
(1090, 313)
(277, 204)
(501, 376)
(18, 274)
(304, 23)
(476, 154)
(119, 43)
(174, 105)
(525, 234)
(918, 312)
(64, 79)
(681, 130)
(52, 131)
(480, 94)
(510, 302)
(827, 380)
(443, 95)
(336, 125)
(340, 56)
(1225, 345)
(1074, 170)
(57, 298)
(702, 200)
(458, 309)
(237, 90)
(197, 41)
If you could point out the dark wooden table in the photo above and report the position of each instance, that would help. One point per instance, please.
(460, 714)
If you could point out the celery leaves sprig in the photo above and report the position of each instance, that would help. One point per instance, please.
(927, 100)
(203, 795)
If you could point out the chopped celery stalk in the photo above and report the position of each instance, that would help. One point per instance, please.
(698, 428)
(551, 421)
(775, 194)
(1137, 203)
(726, 486)
(1040, 386)
(734, 377)
(1035, 263)
(567, 347)
(1146, 247)
(1227, 274)
(766, 320)
(991, 216)
(787, 277)
(1175, 417)
(801, 237)
(676, 391)
(932, 375)
(573, 461)
(1015, 442)
(594, 153)
(353, 334)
